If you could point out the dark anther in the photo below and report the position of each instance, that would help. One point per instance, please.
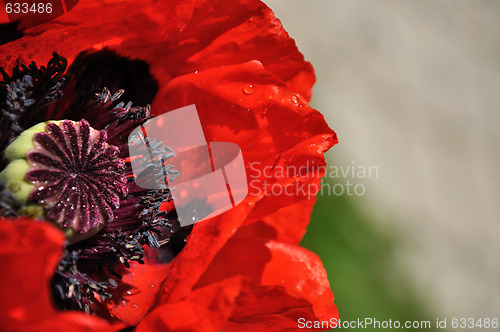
(9, 32)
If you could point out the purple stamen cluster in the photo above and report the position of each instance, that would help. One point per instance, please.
(78, 177)
(77, 171)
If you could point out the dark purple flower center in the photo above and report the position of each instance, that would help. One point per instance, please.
(83, 176)
(77, 175)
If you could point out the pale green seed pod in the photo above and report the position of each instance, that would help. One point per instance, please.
(12, 177)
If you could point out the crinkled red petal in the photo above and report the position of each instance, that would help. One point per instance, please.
(281, 283)
(142, 283)
(206, 309)
(175, 37)
(29, 253)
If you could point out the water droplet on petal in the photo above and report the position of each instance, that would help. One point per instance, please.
(248, 89)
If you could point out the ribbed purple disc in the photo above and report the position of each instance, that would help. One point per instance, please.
(77, 175)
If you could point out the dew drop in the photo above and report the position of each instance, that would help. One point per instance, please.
(248, 89)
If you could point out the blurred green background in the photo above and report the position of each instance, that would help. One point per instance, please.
(360, 262)
(411, 87)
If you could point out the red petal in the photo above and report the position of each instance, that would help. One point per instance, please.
(176, 37)
(285, 283)
(206, 239)
(228, 114)
(285, 154)
(301, 273)
(145, 281)
(31, 250)
(287, 225)
(205, 309)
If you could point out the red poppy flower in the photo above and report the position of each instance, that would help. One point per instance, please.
(240, 271)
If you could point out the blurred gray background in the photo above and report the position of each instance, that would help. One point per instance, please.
(413, 87)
